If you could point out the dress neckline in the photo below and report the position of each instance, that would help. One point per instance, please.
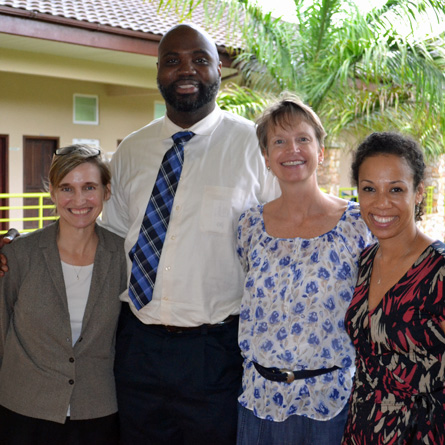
(375, 248)
(350, 205)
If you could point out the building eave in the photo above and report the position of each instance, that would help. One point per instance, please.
(37, 25)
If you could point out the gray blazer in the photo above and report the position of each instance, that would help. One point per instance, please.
(41, 373)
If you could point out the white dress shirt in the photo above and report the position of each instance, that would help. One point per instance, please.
(199, 279)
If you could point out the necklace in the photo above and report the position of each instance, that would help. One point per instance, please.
(379, 278)
(408, 252)
(77, 272)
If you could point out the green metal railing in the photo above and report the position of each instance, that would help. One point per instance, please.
(349, 193)
(344, 192)
(429, 200)
(40, 207)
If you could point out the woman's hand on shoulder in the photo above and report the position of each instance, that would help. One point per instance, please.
(7, 238)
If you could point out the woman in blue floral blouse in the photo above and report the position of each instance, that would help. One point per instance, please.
(300, 255)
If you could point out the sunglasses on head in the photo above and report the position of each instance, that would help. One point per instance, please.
(90, 151)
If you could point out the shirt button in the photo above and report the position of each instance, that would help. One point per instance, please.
(173, 237)
(71, 360)
(178, 207)
(167, 268)
(71, 382)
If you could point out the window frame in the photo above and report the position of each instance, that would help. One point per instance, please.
(81, 122)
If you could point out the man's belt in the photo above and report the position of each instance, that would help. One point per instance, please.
(202, 327)
(288, 376)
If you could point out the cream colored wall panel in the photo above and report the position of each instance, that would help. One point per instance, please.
(70, 68)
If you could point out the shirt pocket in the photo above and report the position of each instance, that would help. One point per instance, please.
(220, 206)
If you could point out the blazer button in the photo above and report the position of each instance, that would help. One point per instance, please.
(71, 360)
(71, 382)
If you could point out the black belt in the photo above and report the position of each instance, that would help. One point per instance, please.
(288, 376)
(202, 327)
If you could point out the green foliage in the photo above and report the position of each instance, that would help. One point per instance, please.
(242, 101)
(360, 72)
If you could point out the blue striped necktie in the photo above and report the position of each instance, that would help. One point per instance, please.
(146, 253)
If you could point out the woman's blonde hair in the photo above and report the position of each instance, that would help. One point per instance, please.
(282, 113)
(71, 157)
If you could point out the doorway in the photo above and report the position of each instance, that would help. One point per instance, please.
(37, 156)
(4, 178)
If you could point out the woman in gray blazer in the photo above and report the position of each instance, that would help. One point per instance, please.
(59, 307)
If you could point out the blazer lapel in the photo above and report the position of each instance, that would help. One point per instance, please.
(50, 251)
(102, 263)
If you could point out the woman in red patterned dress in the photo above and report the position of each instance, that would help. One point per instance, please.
(396, 319)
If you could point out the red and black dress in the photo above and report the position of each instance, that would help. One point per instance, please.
(398, 395)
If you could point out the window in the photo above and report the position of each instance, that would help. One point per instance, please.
(86, 109)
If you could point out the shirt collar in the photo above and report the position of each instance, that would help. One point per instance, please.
(204, 127)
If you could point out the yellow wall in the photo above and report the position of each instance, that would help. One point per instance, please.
(76, 62)
(43, 106)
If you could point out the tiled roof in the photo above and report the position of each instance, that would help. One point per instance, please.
(133, 15)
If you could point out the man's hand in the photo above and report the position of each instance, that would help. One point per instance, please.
(6, 239)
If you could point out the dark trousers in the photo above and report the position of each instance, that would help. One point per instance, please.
(16, 429)
(177, 388)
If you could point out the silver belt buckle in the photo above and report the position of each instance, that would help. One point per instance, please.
(290, 375)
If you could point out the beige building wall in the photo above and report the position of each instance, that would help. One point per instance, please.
(43, 106)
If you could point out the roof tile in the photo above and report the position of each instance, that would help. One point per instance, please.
(134, 15)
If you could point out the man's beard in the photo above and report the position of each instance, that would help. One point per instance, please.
(206, 94)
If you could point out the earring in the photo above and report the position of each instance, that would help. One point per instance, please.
(320, 162)
(268, 168)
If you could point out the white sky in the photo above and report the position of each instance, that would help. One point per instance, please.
(286, 9)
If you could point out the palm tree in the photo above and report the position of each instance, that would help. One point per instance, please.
(359, 71)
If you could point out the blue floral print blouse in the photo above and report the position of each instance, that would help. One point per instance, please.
(296, 294)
